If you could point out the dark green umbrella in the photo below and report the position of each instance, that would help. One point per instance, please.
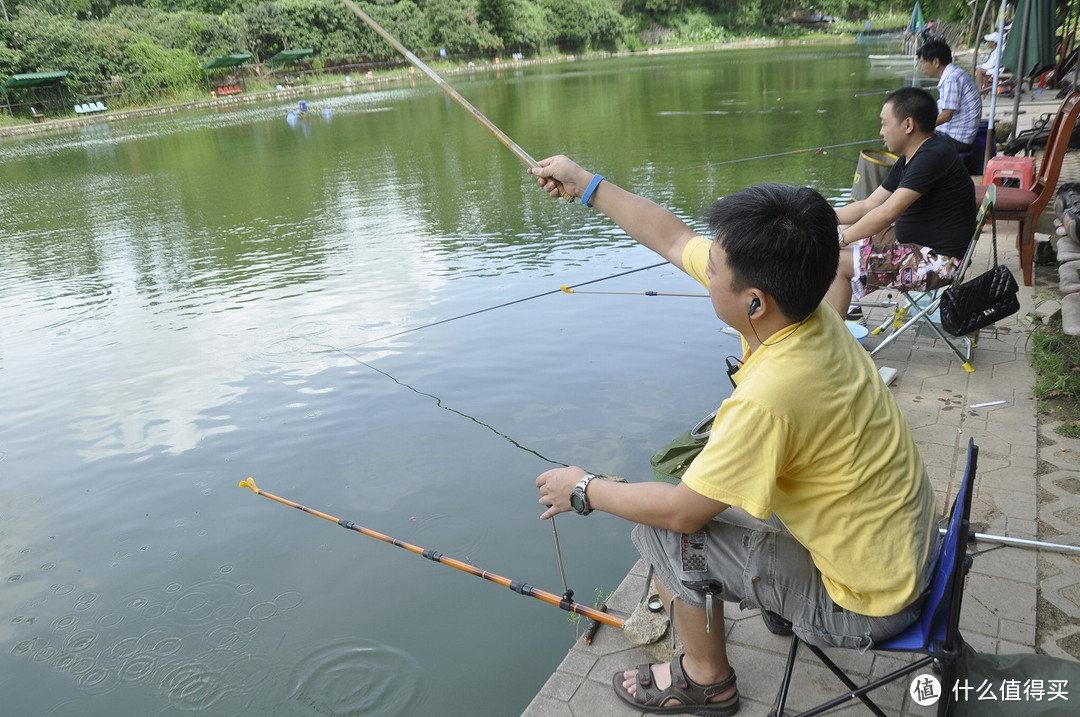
(1036, 37)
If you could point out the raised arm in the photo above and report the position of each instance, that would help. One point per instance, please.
(644, 220)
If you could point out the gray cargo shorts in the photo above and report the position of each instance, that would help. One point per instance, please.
(758, 564)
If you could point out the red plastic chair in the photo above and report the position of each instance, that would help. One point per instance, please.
(1025, 206)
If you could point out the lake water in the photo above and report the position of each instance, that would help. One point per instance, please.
(189, 301)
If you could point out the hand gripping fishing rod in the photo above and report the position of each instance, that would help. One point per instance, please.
(454, 94)
(433, 555)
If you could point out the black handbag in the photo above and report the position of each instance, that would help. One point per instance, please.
(980, 302)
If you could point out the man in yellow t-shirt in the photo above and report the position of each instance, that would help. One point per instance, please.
(810, 500)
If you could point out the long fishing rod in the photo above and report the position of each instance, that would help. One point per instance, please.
(818, 150)
(454, 94)
(435, 556)
(508, 303)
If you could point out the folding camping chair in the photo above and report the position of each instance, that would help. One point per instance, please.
(925, 304)
(935, 635)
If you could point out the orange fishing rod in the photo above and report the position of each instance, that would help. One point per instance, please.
(516, 585)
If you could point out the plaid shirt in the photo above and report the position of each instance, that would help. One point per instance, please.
(957, 92)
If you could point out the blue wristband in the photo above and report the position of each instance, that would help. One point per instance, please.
(587, 196)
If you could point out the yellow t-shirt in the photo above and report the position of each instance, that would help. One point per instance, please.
(812, 434)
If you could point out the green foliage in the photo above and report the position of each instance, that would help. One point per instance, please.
(696, 28)
(48, 42)
(10, 58)
(582, 25)
(326, 26)
(1056, 357)
(203, 35)
(1069, 429)
(265, 28)
(497, 15)
(152, 70)
(531, 28)
(454, 25)
(404, 20)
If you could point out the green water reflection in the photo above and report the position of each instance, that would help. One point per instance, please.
(190, 300)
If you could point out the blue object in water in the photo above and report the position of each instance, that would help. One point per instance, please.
(303, 106)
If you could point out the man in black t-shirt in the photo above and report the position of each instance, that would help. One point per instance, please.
(919, 221)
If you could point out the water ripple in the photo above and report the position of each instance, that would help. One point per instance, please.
(356, 677)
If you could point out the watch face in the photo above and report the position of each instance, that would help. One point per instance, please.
(576, 502)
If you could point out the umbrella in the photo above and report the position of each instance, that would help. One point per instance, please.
(915, 27)
(916, 24)
(1036, 40)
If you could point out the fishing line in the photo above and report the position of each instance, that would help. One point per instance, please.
(440, 404)
(817, 150)
(517, 586)
(568, 290)
(508, 303)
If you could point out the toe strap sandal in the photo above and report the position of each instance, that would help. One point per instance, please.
(693, 698)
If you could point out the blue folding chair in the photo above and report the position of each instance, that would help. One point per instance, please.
(935, 635)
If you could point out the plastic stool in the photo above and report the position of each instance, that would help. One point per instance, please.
(1004, 167)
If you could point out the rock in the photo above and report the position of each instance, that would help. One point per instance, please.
(1070, 314)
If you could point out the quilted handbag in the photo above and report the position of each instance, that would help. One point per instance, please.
(979, 302)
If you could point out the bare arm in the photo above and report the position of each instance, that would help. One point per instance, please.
(655, 503)
(881, 216)
(644, 220)
(851, 213)
(943, 117)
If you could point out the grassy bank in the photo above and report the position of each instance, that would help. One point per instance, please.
(1056, 359)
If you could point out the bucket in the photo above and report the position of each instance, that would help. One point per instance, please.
(857, 330)
(870, 172)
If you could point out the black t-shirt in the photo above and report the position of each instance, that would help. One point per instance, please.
(943, 218)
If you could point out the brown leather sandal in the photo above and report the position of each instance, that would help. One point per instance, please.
(693, 698)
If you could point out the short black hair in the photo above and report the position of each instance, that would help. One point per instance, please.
(935, 50)
(916, 103)
(780, 239)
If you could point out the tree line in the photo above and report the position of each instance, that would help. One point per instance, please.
(139, 50)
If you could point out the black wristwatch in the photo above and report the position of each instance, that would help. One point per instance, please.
(578, 500)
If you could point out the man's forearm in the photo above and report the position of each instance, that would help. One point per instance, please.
(646, 221)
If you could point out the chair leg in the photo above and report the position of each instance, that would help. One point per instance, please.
(1026, 240)
(842, 676)
(921, 315)
(785, 684)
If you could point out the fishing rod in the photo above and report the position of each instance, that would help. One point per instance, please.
(568, 290)
(454, 94)
(564, 602)
(508, 303)
(816, 150)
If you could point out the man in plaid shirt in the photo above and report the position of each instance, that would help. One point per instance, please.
(959, 101)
